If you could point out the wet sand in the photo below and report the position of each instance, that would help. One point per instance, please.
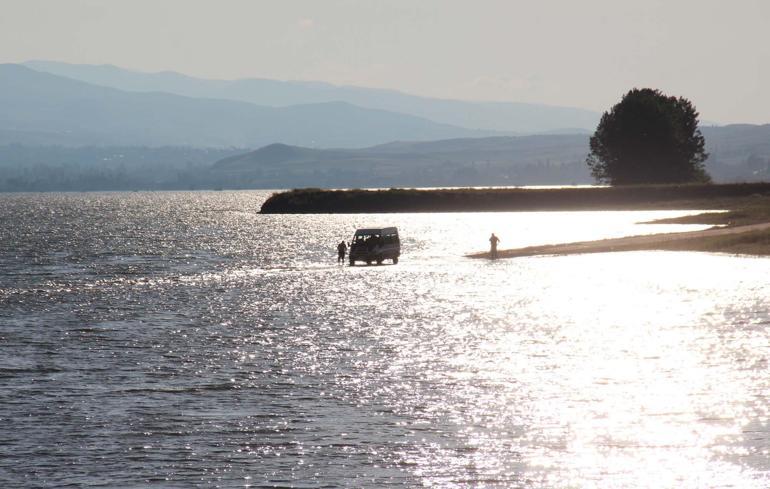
(630, 243)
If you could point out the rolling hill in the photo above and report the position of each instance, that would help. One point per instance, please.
(737, 153)
(478, 161)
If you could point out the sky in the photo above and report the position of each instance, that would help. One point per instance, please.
(580, 53)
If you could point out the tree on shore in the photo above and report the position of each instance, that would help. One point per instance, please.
(648, 137)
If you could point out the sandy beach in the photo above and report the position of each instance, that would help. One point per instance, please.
(735, 239)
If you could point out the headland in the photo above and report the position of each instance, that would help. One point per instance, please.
(636, 197)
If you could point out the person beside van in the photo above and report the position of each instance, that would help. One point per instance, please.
(342, 248)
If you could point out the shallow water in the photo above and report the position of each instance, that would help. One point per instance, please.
(178, 339)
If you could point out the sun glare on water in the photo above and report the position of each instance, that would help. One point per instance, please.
(212, 345)
(603, 371)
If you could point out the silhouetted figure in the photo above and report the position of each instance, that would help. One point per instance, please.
(341, 249)
(493, 240)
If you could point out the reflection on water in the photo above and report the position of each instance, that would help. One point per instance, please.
(182, 339)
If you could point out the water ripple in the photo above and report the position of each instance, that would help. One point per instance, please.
(181, 339)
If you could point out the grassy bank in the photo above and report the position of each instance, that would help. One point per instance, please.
(309, 201)
(751, 243)
(740, 212)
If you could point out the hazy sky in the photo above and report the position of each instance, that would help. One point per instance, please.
(583, 53)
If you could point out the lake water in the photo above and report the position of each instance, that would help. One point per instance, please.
(182, 339)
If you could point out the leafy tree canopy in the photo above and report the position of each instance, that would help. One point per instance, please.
(648, 137)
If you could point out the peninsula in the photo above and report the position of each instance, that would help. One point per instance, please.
(630, 197)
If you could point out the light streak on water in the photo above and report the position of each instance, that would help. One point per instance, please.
(181, 339)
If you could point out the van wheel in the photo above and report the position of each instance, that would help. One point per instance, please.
(395, 260)
(368, 262)
(379, 260)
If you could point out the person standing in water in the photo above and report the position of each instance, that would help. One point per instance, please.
(493, 240)
(341, 249)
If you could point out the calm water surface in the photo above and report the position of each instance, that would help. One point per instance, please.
(181, 339)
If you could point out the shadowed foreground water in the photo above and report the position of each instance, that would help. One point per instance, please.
(181, 339)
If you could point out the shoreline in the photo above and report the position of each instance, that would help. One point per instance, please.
(744, 227)
(748, 239)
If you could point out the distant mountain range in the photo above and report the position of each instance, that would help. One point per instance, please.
(507, 117)
(101, 127)
(42, 108)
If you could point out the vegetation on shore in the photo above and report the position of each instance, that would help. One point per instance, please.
(748, 243)
(740, 212)
(692, 196)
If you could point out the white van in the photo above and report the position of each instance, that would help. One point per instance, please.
(375, 245)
